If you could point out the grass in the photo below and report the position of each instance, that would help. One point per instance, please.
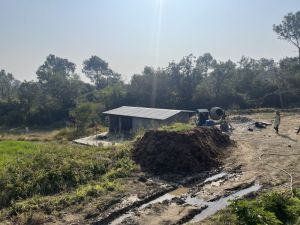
(12, 150)
(68, 172)
(274, 208)
(40, 134)
(177, 127)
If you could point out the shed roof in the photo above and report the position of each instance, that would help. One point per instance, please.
(141, 112)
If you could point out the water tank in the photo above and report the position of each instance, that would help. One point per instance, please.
(216, 113)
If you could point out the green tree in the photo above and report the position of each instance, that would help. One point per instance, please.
(289, 30)
(83, 116)
(60, 87)
(98, 71)
(8, 85)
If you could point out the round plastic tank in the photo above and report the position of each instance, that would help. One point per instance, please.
(216, 113)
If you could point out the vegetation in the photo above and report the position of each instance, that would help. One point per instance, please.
(178, 127)
(53, 168)
(289, 30)
(273, 208)
(193, 82)
(12, 150)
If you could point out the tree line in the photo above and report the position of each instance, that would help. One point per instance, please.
(193, 82)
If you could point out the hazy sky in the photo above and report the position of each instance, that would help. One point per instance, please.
(130, 34)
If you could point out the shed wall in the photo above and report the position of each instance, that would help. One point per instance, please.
(144, 123)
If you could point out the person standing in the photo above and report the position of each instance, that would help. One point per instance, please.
(276, 122)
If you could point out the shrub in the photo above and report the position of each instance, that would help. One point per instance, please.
(273, 208)
(54, 168)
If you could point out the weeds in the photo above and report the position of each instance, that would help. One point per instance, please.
(178, 127)
(54, 168)
(273, 208)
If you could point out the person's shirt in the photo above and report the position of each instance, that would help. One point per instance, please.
(276, 120)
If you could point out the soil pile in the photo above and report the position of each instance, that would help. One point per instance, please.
(192, 151)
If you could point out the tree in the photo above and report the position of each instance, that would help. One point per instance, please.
(98, 71)
(289, 30)
(204, 63)
(60, 88)
(83, 115)
(55, 66)
(8, 85)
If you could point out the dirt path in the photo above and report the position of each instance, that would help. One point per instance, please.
(250, 145)
(149, 200)
(244, 169)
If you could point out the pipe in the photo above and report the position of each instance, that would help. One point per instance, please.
(290, 175)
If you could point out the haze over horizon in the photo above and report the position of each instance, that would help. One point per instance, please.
(134, 33)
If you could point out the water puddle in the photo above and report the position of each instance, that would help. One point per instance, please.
(179, 191)
(215, 177)
(213, 207)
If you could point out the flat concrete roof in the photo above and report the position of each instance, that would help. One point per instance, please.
(141, 112)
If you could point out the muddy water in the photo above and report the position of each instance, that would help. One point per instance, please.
(215, 177)
(212, 207)
(179, 191)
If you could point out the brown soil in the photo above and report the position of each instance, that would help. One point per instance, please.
(198, 150)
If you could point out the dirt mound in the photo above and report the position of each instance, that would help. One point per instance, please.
(191, 151)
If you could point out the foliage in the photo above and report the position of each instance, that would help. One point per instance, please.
(8, 85)
(83, 115)
(191, 83)
(97, 70)
(178, 127)
(54, 168)
(12, 150)
(289, 29)
(271, 208)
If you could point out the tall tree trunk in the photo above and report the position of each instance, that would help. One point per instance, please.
(299, 54)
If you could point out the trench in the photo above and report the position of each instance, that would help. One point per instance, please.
(215, 206)
(208, 208)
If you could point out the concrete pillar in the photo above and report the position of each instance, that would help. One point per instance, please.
(120, 124)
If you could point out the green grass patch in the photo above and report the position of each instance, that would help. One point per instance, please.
(56, 168)
(49, 204)
(273, 208)
(177, 127)
(12, 150)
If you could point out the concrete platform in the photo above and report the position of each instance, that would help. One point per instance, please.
(94, 140)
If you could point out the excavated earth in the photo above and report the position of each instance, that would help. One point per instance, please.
(196, 191)
(192, 151)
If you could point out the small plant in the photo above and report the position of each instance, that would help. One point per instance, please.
(56, 168)
(177, 127)
(273, 208)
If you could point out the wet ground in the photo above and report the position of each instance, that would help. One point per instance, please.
(243, 173)
(190, 203)
(194, 199)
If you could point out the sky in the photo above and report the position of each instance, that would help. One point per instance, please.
(130, 34)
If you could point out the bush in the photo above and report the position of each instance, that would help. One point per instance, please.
(55, 168)
(271, 208)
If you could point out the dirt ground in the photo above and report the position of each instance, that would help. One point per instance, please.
(192, 151)
(147, 199)
(250, 145)
(243, 170)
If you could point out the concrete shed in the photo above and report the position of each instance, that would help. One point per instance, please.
(127, 118)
